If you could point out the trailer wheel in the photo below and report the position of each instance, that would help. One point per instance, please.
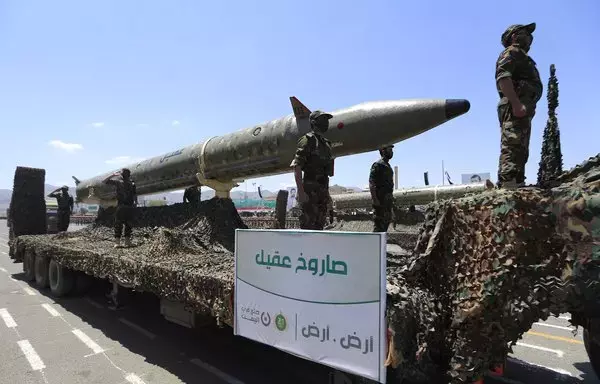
(41, 271)
(29, 265)
(61, 279)
(592, 347)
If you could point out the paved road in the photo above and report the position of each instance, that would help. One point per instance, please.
(79, 340)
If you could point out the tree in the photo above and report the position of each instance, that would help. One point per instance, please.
(551, 162)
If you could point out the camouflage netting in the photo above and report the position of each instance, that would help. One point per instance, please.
(405, 233)
(28, 203)
(180, 252)
(486, 267)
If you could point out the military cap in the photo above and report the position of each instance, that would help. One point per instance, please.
(514, 28)
(386, 146)
(316, 114)
(64, 187)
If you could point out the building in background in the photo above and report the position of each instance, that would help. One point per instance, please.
(469, 178)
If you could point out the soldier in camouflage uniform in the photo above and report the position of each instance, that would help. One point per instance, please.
(65, 207)
(520, 88)
(314, 158)
(381, 185)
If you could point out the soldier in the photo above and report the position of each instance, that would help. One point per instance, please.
(65, 207)
(126, 202)
(314, 158)
(520, 88)
(192, 195)
(381, 185)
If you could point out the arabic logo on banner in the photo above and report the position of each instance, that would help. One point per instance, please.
(280, 322)
(265, 319)
(327, 265)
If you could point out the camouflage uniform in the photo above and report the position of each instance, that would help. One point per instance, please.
(515, 63)
(126, 194)
(65, 208)
(381, 179)
(314, 157)
(192, 195)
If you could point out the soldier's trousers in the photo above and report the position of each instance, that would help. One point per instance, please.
(63, 219)
(314, 211)
(382, 217)
(514, 147)
(123, 219)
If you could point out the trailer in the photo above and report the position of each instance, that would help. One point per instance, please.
(484, 268)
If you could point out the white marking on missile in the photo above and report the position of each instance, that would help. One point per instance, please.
(565, 317)
(88, 341)
(34, 359)
(554, 326)
(4, 253)
(3, 270)
(555, 351)
(51, 310)
(8, 319)
(136, 327)
(94, 303)
(215, 371)
(134, 379)
(526, 364)
(29, 291)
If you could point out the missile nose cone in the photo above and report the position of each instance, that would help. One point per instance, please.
(456, 107)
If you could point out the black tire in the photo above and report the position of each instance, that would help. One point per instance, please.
(593, 350)
(41, 272)
(61, 279)
(29, 266)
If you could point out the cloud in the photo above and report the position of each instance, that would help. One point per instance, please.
(98, 124)
(123, 160)
(67, 147)
(175, 123)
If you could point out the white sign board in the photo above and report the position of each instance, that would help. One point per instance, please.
(468, 178)
(291, 201)
(319, 295)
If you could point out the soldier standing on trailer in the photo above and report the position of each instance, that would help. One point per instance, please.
(314, 159)
(381, 185)
(192, 195)
(126, 202)
(65, 207)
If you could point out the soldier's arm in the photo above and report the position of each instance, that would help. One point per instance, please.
(373, 175)
(109, 179)
(135, 197)
(505, 68)
(299, 161)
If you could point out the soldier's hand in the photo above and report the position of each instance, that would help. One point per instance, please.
(302, 197)
(519, 110)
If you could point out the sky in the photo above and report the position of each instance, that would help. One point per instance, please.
(88, 87)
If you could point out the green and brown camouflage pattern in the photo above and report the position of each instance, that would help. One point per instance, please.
(486, 267)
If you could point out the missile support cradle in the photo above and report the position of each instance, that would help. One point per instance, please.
(485, 267)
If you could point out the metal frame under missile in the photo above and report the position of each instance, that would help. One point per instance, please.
(411, 196)
(222, 162)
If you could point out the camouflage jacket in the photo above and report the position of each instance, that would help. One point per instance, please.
(314, 157)
(381, 178)
(126, 191)
(515, 63)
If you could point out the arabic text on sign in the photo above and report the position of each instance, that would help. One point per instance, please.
(327, 265)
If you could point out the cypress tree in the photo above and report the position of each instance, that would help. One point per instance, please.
(551, 162)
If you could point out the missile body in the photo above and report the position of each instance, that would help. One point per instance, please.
(267, 149)
(411, 196)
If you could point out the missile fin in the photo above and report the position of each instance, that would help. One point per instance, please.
(77, 181)
(300, 110)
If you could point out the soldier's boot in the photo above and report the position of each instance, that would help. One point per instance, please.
(127, 242)
(117, 242)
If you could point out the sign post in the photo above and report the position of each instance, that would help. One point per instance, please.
(319, 295)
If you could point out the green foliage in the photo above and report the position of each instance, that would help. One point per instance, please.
(551, 160)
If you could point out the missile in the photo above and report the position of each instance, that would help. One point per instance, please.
(222, 162)
(411, 196)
